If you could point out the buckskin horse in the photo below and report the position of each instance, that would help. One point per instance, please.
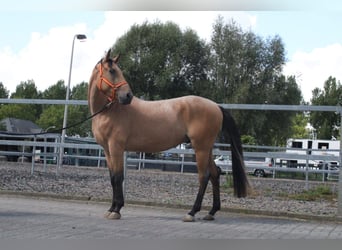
(131, 124)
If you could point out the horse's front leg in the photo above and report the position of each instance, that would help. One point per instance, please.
(116, 179)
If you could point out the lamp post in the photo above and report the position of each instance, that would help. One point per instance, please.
(46, 130)
(61, 153)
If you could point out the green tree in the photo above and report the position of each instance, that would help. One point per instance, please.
(327, 123)
(4, 93)
(25, 90)
(246, 68)
(56, 91)
(52, 115)
(279, 126)
(160, 61)
(299, 126)
(79, 113)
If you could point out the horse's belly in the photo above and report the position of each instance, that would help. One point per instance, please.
(153, 144)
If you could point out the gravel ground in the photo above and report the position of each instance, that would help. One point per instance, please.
(163, 188)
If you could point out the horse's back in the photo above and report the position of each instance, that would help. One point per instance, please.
(189, 109)
(166, 123)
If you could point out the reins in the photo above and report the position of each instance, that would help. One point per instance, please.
(106, 106)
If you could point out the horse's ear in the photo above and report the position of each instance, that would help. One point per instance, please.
(108, 55)
(116, 59)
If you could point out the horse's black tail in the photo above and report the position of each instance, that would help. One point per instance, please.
(229, 129)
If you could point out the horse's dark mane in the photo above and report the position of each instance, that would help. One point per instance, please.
(110, 62)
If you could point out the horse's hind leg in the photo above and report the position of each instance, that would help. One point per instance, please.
(198, 202)
(203, 177)
(215, 181)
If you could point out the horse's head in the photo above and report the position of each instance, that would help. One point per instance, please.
(111, 81)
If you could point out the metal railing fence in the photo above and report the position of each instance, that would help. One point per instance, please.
(36, 142)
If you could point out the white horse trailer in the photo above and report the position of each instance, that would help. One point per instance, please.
(316, 148)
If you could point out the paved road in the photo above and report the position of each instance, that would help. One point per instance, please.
(31, 218)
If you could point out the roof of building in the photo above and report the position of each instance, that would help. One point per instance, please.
(19, 126)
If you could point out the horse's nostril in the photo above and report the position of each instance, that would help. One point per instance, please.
(126, 99)
(129, 96)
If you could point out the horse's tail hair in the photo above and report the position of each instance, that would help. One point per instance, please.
(230, 130)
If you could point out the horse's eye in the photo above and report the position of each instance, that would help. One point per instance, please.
(112, 71)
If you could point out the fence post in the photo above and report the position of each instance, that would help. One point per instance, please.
(59, 155)
(125, 175)
(99, 159)
(139, 164)
(339, 208)
(182, 165)
(33, 155)
(307, 173)
(45, 152)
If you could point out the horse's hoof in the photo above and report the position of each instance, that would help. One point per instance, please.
(209, 217)
(106, 214)
(113, 216)
(189, 218)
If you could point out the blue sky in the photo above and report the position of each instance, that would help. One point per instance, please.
(16, 26)
(301, 30)
(29, 38)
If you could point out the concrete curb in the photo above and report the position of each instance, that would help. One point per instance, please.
(253, 212)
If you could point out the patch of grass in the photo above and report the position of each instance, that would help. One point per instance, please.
(320, 192)
(227, 185)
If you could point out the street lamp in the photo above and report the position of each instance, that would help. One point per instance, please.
(46, 130)
(61, 153)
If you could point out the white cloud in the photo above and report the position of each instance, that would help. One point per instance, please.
(46, 58)
(313, 68)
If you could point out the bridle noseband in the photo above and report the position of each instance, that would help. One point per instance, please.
(113, 86)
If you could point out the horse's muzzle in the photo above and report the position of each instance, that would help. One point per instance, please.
(126, 99)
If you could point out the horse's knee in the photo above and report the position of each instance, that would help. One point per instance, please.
(116, 179)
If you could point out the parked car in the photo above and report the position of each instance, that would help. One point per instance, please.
(258, 166)
(224, 163)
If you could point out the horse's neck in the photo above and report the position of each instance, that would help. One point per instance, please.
(96, 99)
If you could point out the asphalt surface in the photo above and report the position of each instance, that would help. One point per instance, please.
(43, 218)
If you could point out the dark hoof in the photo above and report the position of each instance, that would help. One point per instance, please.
(209, 217)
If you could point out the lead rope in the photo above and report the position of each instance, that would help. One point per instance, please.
(106, 106)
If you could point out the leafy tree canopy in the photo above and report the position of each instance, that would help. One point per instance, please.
(4, 93)
(161, 61)
(327, 123)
